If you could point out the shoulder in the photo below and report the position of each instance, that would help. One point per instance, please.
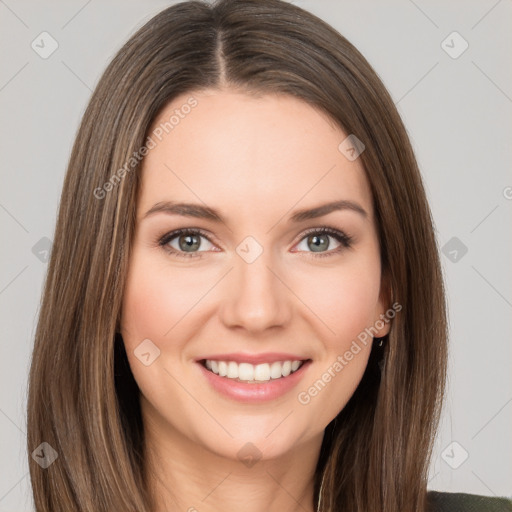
(460, 502)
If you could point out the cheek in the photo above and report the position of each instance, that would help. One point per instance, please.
(344, 300)
(156, 300)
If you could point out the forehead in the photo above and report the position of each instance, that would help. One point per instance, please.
(236, 151)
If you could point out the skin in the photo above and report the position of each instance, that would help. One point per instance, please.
(256, 161)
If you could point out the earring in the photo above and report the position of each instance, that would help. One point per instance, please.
(379, 342)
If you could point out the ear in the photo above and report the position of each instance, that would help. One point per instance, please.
(382, 322)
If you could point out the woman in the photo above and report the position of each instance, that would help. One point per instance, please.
(244, 304)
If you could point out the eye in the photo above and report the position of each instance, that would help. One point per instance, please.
(318, 241)
(186, 242)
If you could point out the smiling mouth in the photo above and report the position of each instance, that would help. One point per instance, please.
(253, 373)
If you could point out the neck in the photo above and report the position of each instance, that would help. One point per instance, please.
(185, 476)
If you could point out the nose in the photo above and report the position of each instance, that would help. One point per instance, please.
(256, 298)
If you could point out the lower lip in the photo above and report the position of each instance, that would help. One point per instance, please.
(254, 393)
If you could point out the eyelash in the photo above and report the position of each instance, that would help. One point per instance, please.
(345, 240)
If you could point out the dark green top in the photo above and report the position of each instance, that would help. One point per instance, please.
(460, 502)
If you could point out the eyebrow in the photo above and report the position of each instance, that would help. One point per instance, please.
(205, 212)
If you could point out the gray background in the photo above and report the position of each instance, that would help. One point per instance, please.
(457, 111)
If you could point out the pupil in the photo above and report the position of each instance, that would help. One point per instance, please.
(320, 243)
(189, 242)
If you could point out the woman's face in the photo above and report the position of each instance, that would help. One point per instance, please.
(256, 281)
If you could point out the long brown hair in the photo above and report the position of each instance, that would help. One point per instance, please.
(83, 400)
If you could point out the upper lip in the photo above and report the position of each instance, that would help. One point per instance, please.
(267, 357)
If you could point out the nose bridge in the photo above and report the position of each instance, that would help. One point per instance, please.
(256, 299)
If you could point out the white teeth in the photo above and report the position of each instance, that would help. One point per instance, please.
(253, 373)
(275, 370)
(262, 372)
(245, 371)
(232, 370)
(223, 368)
